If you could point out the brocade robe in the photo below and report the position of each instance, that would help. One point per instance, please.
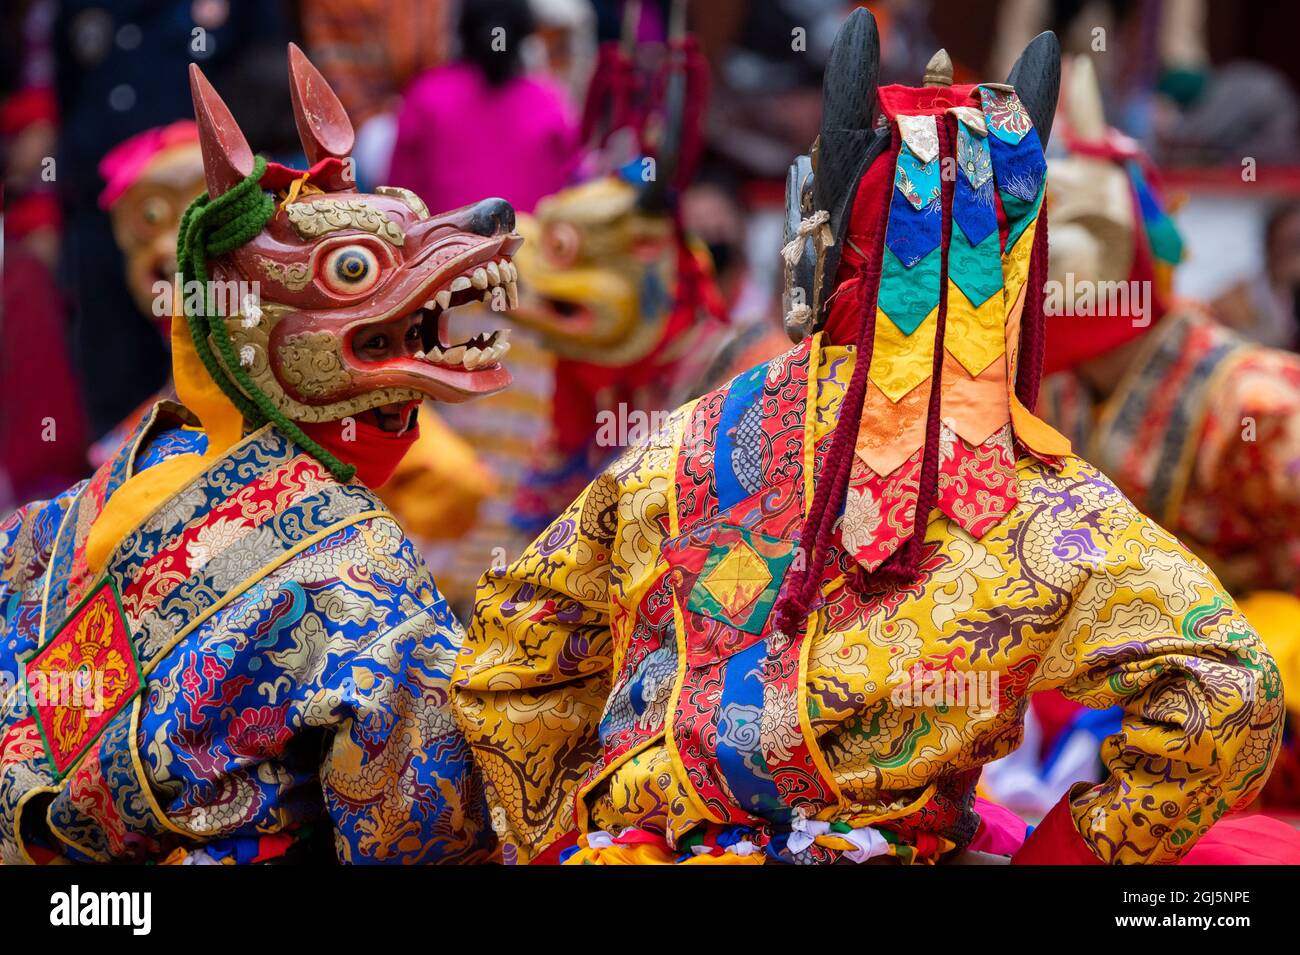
(278, 669)
(621, 683)
(1203, 434)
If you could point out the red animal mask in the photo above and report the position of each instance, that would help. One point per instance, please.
(355, 288)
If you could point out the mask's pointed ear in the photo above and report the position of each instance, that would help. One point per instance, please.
(323, 124)
(227, 160)
(1036, 77)
(848, 105)
(1081, 104)
(848, 141)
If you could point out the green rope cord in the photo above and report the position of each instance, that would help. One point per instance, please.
(215, 227)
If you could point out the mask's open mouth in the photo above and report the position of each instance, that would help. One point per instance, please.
(396, 418)
(558, 318)
(413, 347)
(494, 283)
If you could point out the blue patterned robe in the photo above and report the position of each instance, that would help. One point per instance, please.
(293, 659)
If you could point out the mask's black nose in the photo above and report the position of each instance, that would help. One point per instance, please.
(490, 217)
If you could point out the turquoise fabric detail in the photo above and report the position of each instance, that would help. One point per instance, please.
(1019, 214)
(973, 156)
(918, 181)
(976, 270)
(907, 296)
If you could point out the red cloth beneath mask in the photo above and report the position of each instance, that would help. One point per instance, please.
(896, 100)
(1235, 840)
(373, 451)
(875, 189)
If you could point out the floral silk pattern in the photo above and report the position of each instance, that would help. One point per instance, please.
(599, 703)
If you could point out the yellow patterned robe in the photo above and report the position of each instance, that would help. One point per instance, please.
(588, 707)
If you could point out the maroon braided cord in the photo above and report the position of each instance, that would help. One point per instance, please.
(829, 492)
(1033, 320)
(904, 564)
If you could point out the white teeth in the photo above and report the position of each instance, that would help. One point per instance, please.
(443, 298)
(430, 304)
(419, 355)
(487, 297)
(494, 273)
(471, 357)
(460, 283)
(479, 278)
(512, 294)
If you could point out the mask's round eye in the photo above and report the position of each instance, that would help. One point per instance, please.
(351, 270)
(155, 210)
(561, 243)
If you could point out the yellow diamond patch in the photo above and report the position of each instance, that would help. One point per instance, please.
(738, 579)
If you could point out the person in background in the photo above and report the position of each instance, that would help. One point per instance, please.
(119, 70)
(42, 443)
(1262, 306)
(479, 125)
(563, 43)
(150, 179)
(369, 50)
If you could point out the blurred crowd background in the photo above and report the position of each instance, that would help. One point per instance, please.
(1208, 86)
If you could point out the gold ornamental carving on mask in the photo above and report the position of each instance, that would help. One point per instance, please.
(311, 362)
(407, 196)
(312, 220)
(293, 275)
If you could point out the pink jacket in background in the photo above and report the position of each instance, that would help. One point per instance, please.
(459, 139)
